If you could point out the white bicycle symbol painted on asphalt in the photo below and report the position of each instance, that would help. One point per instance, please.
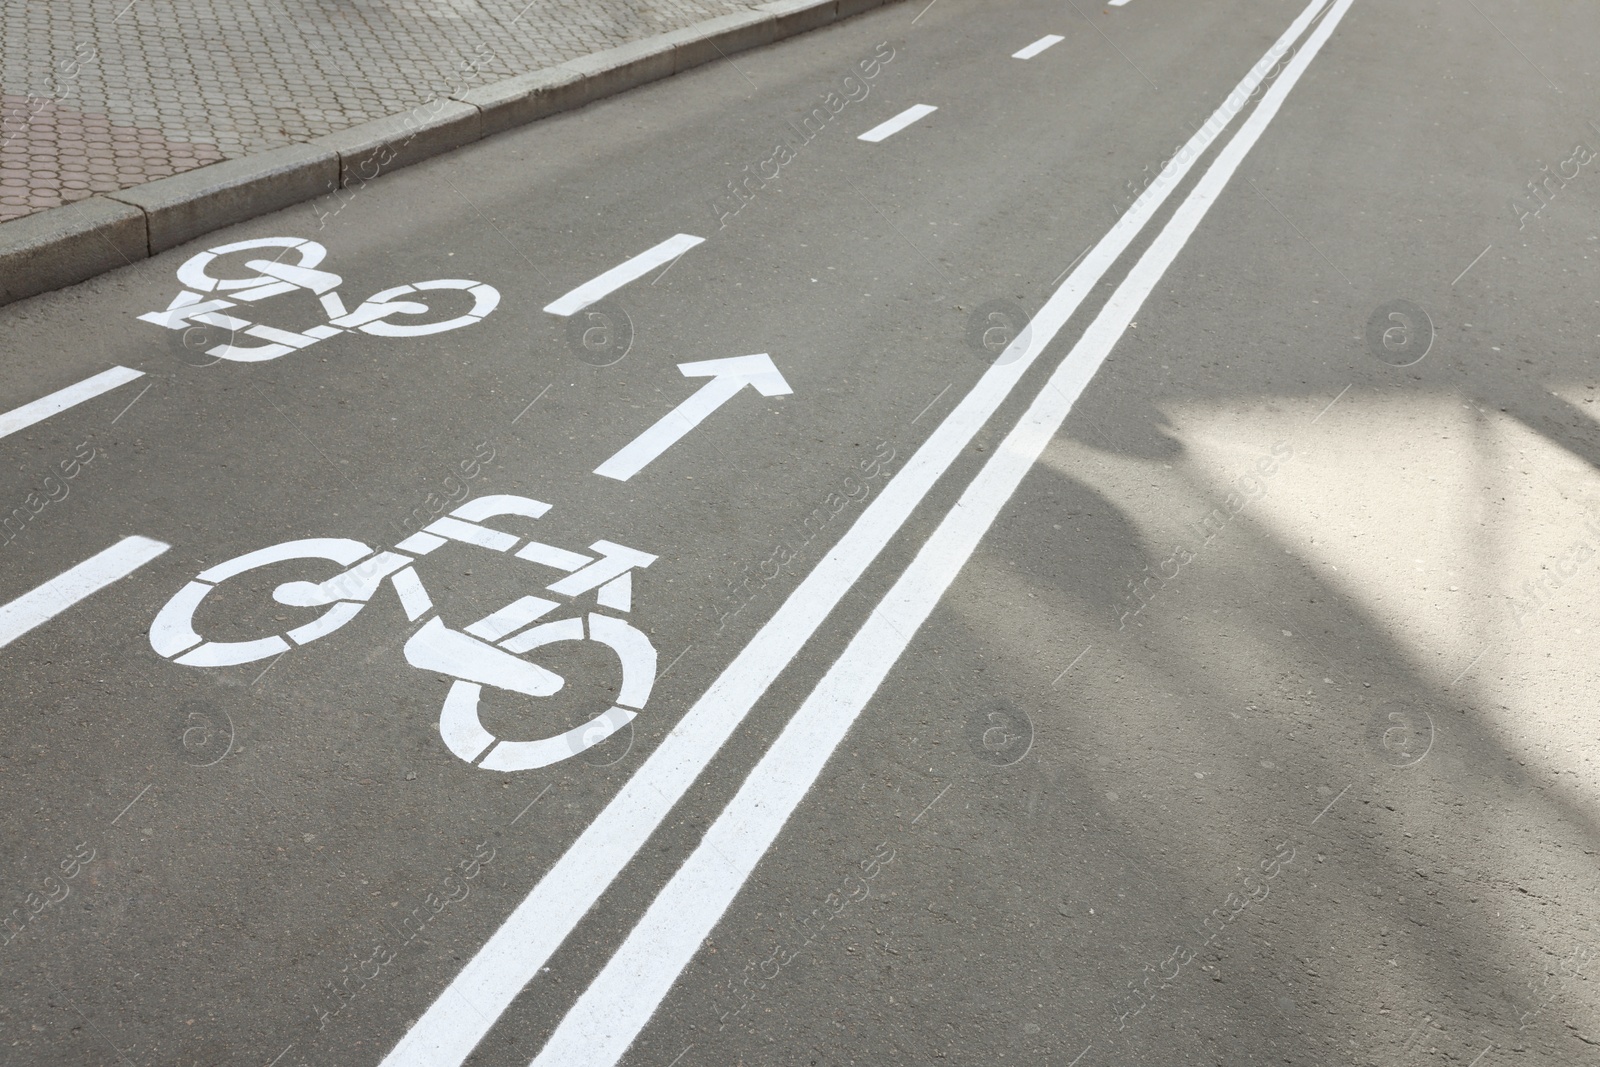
(272, 277)
(488, 652)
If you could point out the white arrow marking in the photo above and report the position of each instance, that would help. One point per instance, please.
(728, 377)
(466, 1009)
(610, 1014)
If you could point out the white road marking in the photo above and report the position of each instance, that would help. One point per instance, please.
(62, 399)
(1118, 3)
(274, 278)
(1038, 46)
(33, 609)
(600, 1027)
(893, 126)
(511, 618)
(1074, 263)
(465, 1010)
(728, 377)
(623, 273)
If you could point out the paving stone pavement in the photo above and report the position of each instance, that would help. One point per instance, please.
(100, 95)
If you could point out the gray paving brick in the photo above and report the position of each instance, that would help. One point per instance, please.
(98, 96)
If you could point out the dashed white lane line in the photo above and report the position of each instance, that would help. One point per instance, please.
(623, 273)
(468, 1007)
(33, 609)
(622, 998)
(1038, 46)
(1117, 3)
(62, 399)
(884, 130)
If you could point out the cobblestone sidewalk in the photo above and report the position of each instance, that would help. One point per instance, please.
(101, 95)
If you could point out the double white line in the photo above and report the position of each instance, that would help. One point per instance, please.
(598, 1029)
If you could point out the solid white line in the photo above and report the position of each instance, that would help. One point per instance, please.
(888, 129)
(1074, 263)
(622, 998)
(1038, 46)
(623, 273)
(464, 1011)
(32, 610)
(62, 399)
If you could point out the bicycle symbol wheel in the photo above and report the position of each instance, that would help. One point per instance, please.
(464, 734)
(371, 317)
(173, 631)
(194, 276)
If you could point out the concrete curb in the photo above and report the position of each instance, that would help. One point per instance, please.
(187, 205)
(63, 246)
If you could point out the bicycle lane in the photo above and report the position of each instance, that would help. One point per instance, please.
(320, 704)
(1082, 870)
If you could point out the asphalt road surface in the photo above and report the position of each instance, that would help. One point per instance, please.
(986, 533)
